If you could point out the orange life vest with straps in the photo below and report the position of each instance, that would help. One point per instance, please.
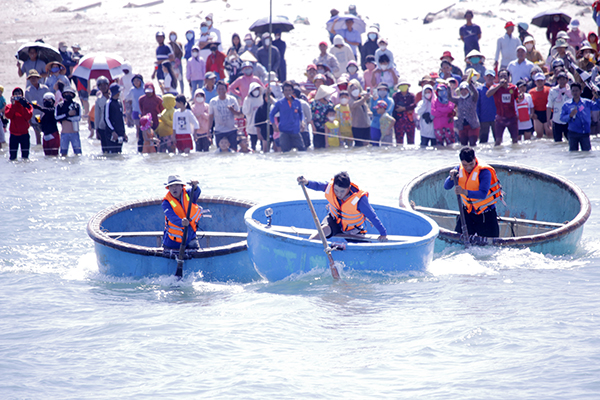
(346, 213)
(175, 232)
(471, 182)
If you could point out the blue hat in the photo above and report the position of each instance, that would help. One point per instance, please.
(114, 89)
(489, 72)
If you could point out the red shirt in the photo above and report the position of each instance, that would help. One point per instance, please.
(216, 63)
(540, 98)
(19, 118)
(505, 100)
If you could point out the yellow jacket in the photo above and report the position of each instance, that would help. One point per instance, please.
(165, 119)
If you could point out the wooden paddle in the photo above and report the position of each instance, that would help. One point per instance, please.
(463, 220)
(332, 267)
(179, 272)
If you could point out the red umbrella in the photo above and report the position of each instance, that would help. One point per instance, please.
(96, 65)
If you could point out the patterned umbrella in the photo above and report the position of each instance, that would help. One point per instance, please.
(96, 65)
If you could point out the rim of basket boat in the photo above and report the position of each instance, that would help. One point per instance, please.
(581, 217)
(99, 236)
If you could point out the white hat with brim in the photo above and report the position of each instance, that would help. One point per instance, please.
(247, 56)
(474, 53)
(174, 180)
(324, 91)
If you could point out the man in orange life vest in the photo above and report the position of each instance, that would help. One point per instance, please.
(348, 207)
(480, 189)
(175, 206)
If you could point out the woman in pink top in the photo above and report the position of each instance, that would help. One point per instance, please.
(200, 111)
(443, 116)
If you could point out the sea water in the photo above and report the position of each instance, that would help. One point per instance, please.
(482, 323)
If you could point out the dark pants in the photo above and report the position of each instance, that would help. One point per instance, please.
(231, 136)
(485, 224)
(512, 124)
(425, 141)
(363, 134)
(306, 139)
(579, 139)
(560, 130)
(202, 144)
(289, 140)
(319, 140)
(13, 145)
(484, 131)
(104, 139)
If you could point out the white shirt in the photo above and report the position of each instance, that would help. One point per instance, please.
(527, 104)
(183, 121)
(520, 70)
(556, 98)
(223, 117)
(507, 46)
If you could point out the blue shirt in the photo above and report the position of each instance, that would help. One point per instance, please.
(376, 116)
(290, 115)
(486, 107)
(350, 36)
(174, 218)
(209, 94)
(583, 119)
(470, 35)
(363, 206)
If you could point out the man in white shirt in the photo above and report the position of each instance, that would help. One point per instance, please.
(521, 67)
(507, 46)
(223, 110)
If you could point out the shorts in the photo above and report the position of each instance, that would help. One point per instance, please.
(184, 142)
(83, 94)
(524, 131)
(541, 116)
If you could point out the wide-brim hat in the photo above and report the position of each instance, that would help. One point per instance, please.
(324, 91)
(402, 82)
(474, 53)
(447, 54)
(586, 46)
(69, 89)
(174, 180)
(52, 63)
(33, 74)
(560, 42)
(383, 86)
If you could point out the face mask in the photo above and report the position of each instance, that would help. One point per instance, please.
(475, 60)
(189, 36)
(352, 70)
(427, 96)
(403, 88)
(249, 43)
(331, 118)
(321, 71)
(277, 37)
(372, 36)
(575, 28)
(68, 98)
(382, 47)
(195, 54)
(384, 66)
(343, 101)
(63, 49)
(267, 42)
(203, 29)
(199, 99)
(355, 92)
(247, 71)
(173, 38)
(464, 96)
(443, 95)
(55, 69)
(529, 46)
(256, 93)
(382, 93)
(48, 103)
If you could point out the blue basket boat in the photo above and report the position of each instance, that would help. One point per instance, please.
(128, 239)
(282, 248)
(543, 211)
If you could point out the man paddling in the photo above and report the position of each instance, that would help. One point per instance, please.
(348, 207)
(175, 206)
(479, 189)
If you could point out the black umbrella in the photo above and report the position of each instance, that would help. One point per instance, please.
(279, 22)
(543, 19)
(46, 52)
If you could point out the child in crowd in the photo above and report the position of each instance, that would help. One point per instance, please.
(51, 142)
(200, 110)
(404, 106)
(382, 95)
(332, 128)
(19, 112)
(150, 142)
(165, 125)
(442, 110)
(68, 113)
(524, 110)
(184, 124)
(539, 96)
(386, 123)
(344, 117)
(244, 148)
(425, 118)
(224, 146)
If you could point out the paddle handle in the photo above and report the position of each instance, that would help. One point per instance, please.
(463, 220)
(332, 267)
(179, 271)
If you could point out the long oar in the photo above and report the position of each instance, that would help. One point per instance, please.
(332, 267)
(463, 220)
(179, 272)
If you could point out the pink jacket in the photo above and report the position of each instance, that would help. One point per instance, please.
(241, 86)
(441, 114)
(195, 69)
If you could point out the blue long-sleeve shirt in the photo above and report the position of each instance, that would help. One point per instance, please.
(363, 206)
(485, 181)
(582, 121)
(290, 115)
(486, 106)
(174, 218)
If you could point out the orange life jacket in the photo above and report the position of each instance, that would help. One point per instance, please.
(175, 232)
(347, 213)
(471, 182)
